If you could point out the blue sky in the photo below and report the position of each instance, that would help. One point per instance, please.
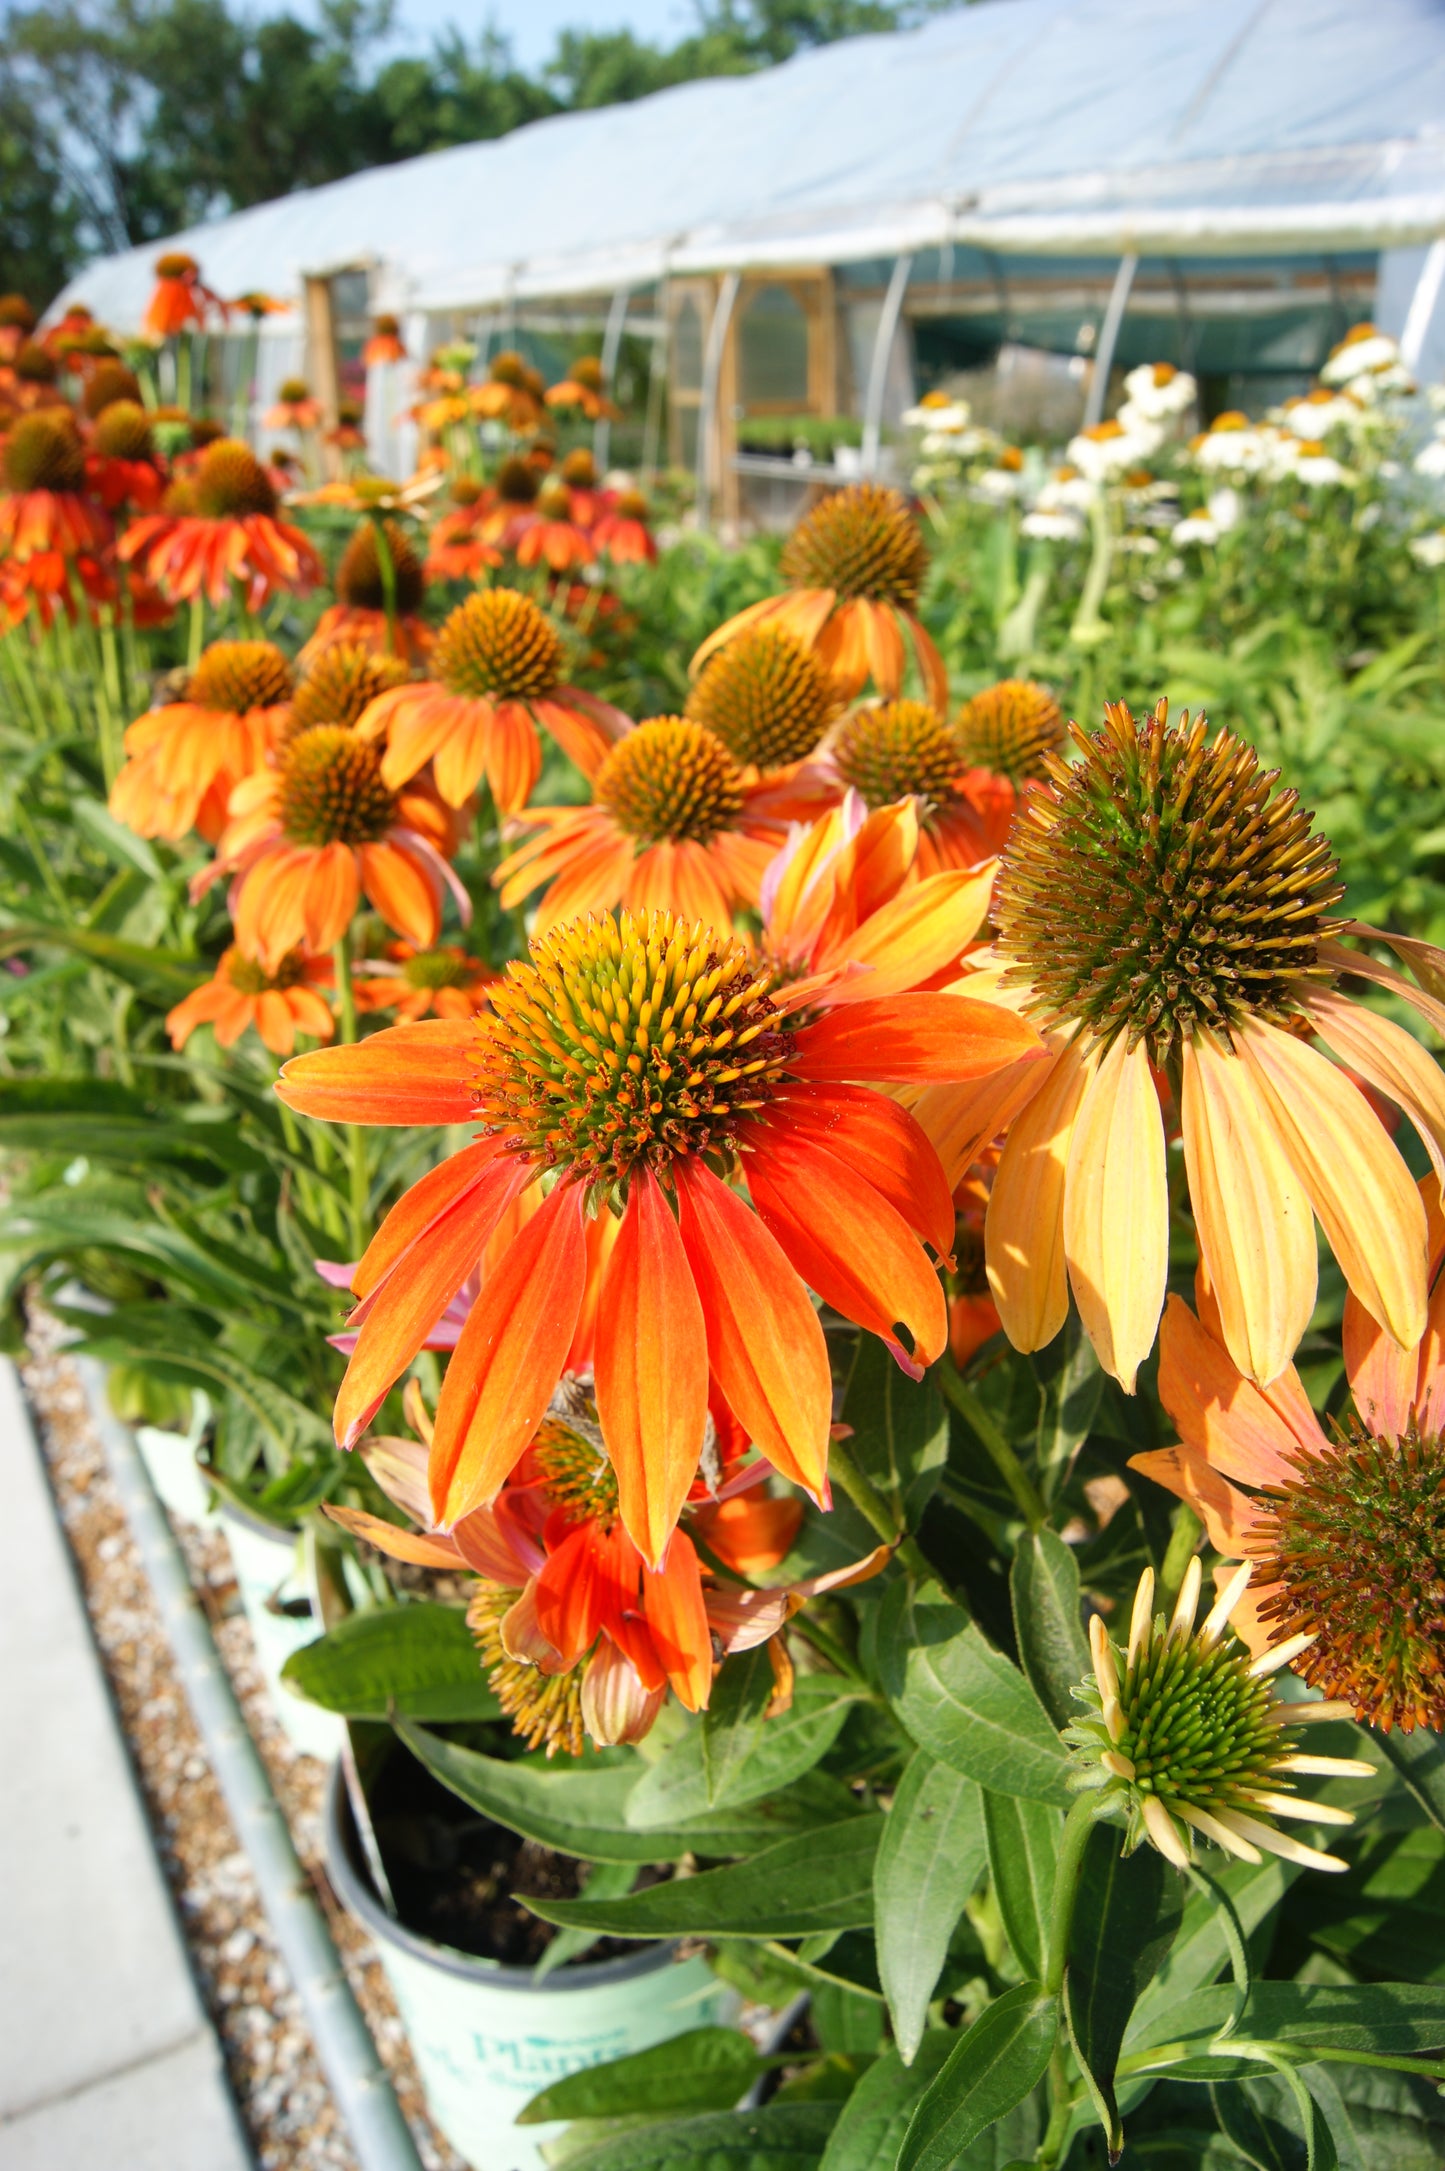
(532, 25)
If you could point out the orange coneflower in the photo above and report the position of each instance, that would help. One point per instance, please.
(339, 684)
(444, 983)
(278, 1004)
(32, 381)
(627, 1059)
(512, 506)
(123, 465)
(185, 759)
(348, 435)
(582, 387)
(179, 298)
(497, 668)
(17, 322)
(1011, 728)
(359, 612)
(1164, 912)
(670, 824)
(45, 510)
(620, 529)
(224, 529)
(255, 305)
(905, 750)
(309, 837)
(513, 393)
(457, 548)
(854, 568)
(296, 407)
(1345, 1529)
(768, 698)
(385, 344)
(552, 537)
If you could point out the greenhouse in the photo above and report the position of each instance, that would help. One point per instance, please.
(1031, 194)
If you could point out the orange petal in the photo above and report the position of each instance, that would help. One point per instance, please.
(650, 1357)
(1388, 1058)
(509, 1358)
(960, 1120)
(587, 1584)
(1024, 1231)
(408, 1074)
(1221, 1413)
(1256, 1230)
(879, 1139)
(1361, 1191)
(750, 1533)
(765, 1345)
(916, 935)
(414, 1212)
(849, 1244)
(403, 890)
(412, 1545)
(901, 1038)
(1116, 1211)
(677, 1622)
(1226, 1513)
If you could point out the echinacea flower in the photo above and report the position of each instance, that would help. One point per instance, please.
(309, 837)
(107, 383)
(17, 322)
(497, 670)
(234, 533)
(768, 697)
(628, 1060)
(123, 466)
(1344, 1530)
(972, 1314)
(179, 298)
(276, 1004)
(582, 388)
(906, 750)
(552, 537)
(1011, 728)
(621, 532)
(185, 758)
(854, 567)
(359, 612)
(1363, 351)
(513, 393)
(670, 824)
(339, 683)
(1157, 391)
(456, 547)
(1163, 909)
(296, 407)
(45, 508)
(385, 344)
(443, 983)
(1185, 1736)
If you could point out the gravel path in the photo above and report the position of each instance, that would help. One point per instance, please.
(269, 2055)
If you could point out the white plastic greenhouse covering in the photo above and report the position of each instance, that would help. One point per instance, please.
(1090, 126)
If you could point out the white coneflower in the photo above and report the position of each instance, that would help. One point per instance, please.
(1184, 1734)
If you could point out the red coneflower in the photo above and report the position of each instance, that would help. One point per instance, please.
(582, 387)
(896, 750)
(620, 530)
(123, 466)
(276, 1005)
(296, 407)
(229, 531)
(385, 344)
(359, 613)
(45, 508)
(443, 983)
(179, 299)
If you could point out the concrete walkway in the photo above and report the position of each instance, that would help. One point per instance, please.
(106, 2054)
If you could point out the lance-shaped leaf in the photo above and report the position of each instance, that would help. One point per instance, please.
(1125, 1919)
(963, 1701)
(780, 2137)
(1044, 1586)
(705, 2069)
(929, 1859)
(418, 1659)
(1023, 1850)
(996, 2063)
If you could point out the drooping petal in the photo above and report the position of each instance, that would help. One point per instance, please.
(509, 1358)
(1116, 1211)
(413, 1545)
(677, 1622)
(1221, 1413)
(960, 1120)
(1361, 1191)
(414, 1212)
(1256, 1229)
(879, 1139)
(650, 1359)
(1388, 1058)
(1024, 1231)
(765, 1345)
(750, 1533)
(616, 1707)
(902, 1038)
(408, 1074)
(1225, 1511)
(586, 1584)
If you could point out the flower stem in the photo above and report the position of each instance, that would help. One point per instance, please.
(871, 1504)
(995, 1446)
(355, 1135)
(1183, 1537)
(198, 631)
(1077, 1827)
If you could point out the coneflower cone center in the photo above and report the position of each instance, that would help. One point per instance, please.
(439, 969)
(1164, 885)
(343, 681)
(231, 483)
(572, 1461)
(1197, 1728)
(250, 978)
(497, 646)
(766, 697)
(545, 1709)
(863, 542)
(359, 585)
(897, 750)
(240, 675)
(44, 452)
(1011, 728)
(331, 790)
(629, 1043)
(1356, 1543)
(670, 781)
(123, 431)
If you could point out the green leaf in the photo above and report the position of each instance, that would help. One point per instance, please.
(900, 1429)
(819, 1880)
(1386, 1915)
(106, 1121)
(963, 1701)
(1419, 1758)
(1070, 1381)
(1023, 1849)
(1380, 2121)
(779, 2137)
(1125, 1919)
(419, 1659)
(120, 845)
(605, 1881)
(1044, 1586)
(706, 2069)
(870, 2129)
(742, 1756)
(583, 1810)
(1201, 1948)
(930, 1858)
(163, 975)
(1395, 2018)
(996, 2063)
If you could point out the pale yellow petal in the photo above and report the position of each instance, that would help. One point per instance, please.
(1389, 1059)
(1024, 1232)
(1366, 1199)
(1253, 1216)
(1116, 1211)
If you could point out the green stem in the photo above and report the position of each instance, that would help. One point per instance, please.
(1061, 2101)
(871, 1504)
(1183, 1538)
(1088, 626)
(1077, 1827)
(386, 566)
(355, 1135)
(828, 1647)
(995, 1446)
(197, 638)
